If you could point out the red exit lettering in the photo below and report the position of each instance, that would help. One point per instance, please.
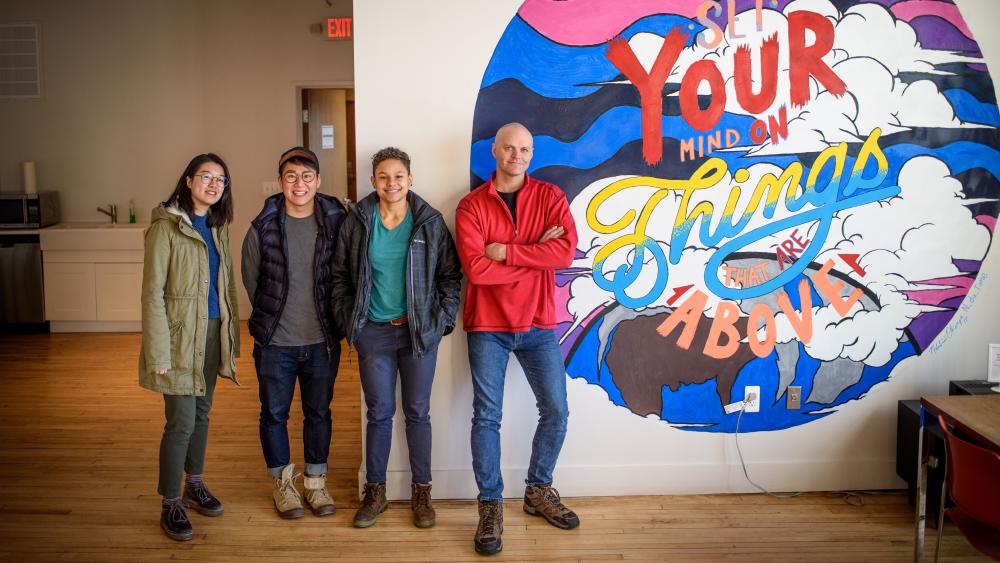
(338, 27)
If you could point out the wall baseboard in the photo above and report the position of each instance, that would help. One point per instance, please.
(95, 326)
(680, 479)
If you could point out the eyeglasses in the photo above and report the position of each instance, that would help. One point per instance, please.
(292, 177)
(208, 179)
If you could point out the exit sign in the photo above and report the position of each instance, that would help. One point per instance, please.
(338, 28)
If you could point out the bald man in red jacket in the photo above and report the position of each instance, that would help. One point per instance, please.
(513, 232)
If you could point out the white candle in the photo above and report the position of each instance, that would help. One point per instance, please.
(30, 180)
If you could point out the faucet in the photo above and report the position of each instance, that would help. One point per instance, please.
(111, 211)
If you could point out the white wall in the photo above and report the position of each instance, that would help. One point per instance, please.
(132, 90)
(608, 449)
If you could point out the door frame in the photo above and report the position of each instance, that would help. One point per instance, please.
(299, 86)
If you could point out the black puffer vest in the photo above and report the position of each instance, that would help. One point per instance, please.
(272, 287)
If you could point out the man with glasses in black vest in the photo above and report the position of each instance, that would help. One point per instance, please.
(286, 257)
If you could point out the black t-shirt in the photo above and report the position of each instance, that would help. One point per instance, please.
(511, 200)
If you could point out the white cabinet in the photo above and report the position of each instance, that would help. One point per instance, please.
(70, 291)
(119, 291)
(93, 277)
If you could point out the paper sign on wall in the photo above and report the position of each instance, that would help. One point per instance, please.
(993, 375)
(326, 136)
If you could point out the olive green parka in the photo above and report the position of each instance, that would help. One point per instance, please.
(175, 305)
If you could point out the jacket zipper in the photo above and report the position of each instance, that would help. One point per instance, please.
(503, 204)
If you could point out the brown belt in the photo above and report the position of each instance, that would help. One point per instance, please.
(399, 321)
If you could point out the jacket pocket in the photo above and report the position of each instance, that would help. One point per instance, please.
(180, 348)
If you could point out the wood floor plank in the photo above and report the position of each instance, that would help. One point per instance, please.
(78, 465)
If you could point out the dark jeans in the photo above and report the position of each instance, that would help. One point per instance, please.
(185, 435)
(278, 367)
(538, 353)
(383, 351)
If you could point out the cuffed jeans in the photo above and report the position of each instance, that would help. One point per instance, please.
(278, 367)
(185, 434)
(383, 351)
(539, 356)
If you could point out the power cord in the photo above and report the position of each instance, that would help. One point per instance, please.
(746, 473)
(853, 498)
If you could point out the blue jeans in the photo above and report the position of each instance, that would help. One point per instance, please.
(539, 355)
(278, 367)
(383, 351)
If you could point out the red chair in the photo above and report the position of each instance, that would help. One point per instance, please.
(973, 481)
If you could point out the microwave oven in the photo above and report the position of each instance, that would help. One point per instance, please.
(29, 211)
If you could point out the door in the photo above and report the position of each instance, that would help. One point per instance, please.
(327, 131)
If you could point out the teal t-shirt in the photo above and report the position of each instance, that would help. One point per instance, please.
(387, 252)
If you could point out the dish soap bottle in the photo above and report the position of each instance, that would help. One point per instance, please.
(131, 211)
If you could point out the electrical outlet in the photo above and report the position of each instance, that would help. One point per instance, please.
(751, 394)
(270, 188)
(794, 398)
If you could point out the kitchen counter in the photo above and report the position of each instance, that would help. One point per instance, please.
(93, 276)
(18, 232)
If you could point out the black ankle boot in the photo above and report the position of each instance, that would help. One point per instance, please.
(175, 523)
(198, 497)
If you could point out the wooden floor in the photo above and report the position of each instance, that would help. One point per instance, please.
(78, 467)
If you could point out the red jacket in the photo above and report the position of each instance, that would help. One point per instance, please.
(517, 294)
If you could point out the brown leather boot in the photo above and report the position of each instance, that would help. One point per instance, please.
(544, 501)
(421, 505)
(373, 504)
(488, 535)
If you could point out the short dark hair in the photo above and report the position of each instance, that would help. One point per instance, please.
(390, 153)
(221, 212)
(298, 155)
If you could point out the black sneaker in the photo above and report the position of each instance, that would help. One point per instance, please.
(490, 528)
(175, 523)
(198, 497)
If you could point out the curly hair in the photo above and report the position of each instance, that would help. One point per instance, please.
(390, 153)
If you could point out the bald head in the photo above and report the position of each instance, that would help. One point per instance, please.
(515, 129)
(512, 148)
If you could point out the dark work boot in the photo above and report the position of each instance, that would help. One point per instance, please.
(373, 504)
(490, 527)
(421, 505)
(197, 496)
(174, 521)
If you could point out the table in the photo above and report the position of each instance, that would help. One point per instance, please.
(978, 417)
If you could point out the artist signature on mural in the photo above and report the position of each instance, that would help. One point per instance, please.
(962, 318)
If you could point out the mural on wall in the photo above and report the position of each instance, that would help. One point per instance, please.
(767, 193)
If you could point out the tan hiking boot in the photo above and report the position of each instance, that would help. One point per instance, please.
(544, 501)
(421, 505)
(490, 528)
(317, 497)
(287, 501)
(373, 504)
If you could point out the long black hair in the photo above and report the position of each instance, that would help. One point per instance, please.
(221, 212)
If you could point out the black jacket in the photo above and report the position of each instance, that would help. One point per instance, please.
(433, 280)
(272, 283)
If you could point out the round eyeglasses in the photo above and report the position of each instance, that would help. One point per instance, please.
(292, 177)
(207, 179)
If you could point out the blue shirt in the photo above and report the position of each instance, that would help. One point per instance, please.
(200, 222)
(387, 253)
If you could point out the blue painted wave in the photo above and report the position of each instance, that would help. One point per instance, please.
(959, 156)
(970, 109)
(609, 133)
(556, 70)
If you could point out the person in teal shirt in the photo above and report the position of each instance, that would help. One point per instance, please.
(397, 279)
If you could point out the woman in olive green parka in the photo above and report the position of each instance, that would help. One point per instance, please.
(190, 329)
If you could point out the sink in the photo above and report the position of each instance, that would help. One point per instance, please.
(92, 236)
